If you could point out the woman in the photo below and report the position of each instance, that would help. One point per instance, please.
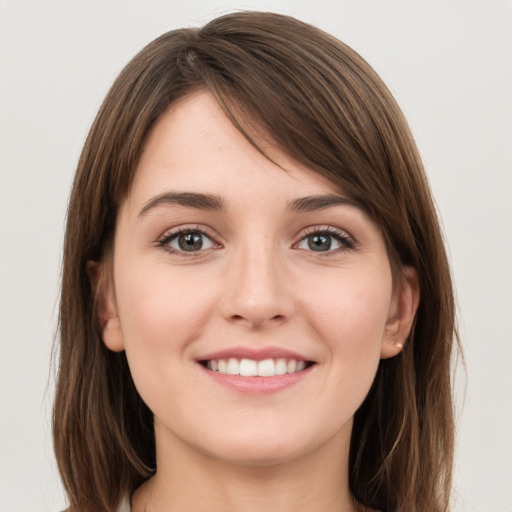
(256, 309)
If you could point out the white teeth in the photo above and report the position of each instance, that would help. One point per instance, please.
(252, 368)
(266, 368)
(233, 366)
(248, 368)
(290, 367)
(280, 366)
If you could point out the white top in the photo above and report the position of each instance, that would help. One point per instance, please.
(124, 506)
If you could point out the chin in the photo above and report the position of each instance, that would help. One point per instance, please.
(272, 446)
(267, 455)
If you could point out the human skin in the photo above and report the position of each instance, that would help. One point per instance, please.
(255, 287)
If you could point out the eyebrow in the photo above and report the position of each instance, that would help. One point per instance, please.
(320, 202)
(212, 202)
(188, 199)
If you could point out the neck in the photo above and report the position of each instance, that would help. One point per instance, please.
(191, 480)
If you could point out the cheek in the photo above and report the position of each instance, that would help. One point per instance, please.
(345, 313)
(162, 313)
(162, 310)
(350, 314)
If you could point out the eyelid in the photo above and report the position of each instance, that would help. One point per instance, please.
(348, 241)
(343, 237)
(164, 239)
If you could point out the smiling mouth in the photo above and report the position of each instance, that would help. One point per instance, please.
(252, 368)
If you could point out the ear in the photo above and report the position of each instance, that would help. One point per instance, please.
(402, 313)
(103, 289)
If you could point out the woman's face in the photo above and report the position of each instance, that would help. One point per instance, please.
(254, 303)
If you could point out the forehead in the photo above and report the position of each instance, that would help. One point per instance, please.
(194, 147)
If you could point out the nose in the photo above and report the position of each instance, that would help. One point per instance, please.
(257, 291)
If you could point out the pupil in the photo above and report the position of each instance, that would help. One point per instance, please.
(190, 242)
(319, 242)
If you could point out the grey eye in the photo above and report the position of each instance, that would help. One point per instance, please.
(324, 242)
(190, 241)
(319, 242)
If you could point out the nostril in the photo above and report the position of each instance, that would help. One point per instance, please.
(241, 317)
(258, 321)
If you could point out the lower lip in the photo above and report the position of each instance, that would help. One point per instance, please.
(257, 385)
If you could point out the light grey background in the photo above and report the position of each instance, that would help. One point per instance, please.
(449, 65)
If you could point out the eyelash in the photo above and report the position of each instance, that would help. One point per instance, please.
(345, 240)
(168, 237)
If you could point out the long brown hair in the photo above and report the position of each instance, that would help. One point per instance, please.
(325, 106)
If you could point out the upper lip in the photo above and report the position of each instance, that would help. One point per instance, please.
(256, 354)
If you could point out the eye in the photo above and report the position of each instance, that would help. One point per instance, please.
(326, 240)
(186, 241)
